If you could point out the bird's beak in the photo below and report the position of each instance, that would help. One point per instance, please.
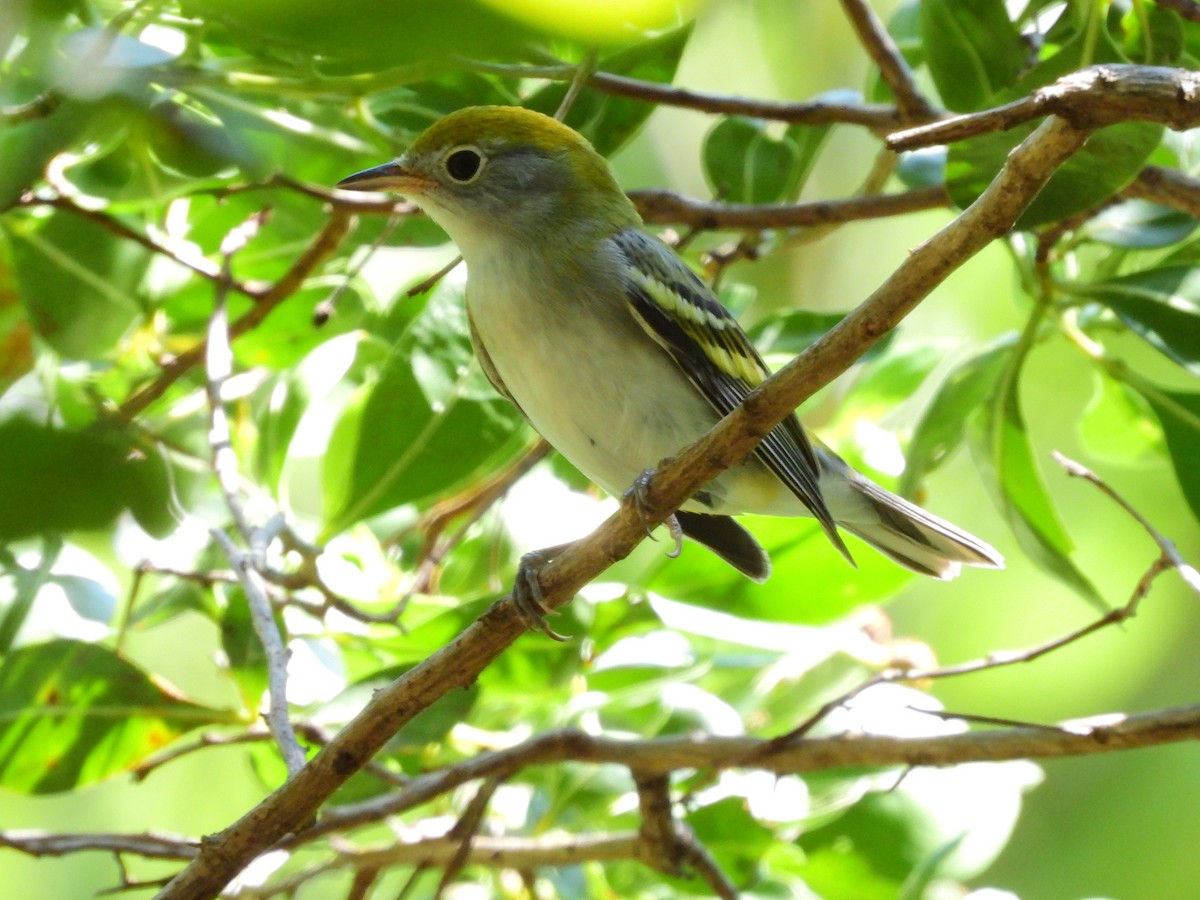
(388, 177)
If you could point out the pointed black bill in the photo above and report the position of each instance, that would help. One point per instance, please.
(388, 177)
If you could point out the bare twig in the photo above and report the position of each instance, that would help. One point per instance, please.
(148, 844)
(194, 262)
(583, 71)
(1166, 546)
(1090, 98)
(872, 34)
(667, 207)
(37, 108)
(465, 831)
(249, 565)
(1168, 187)
(877, 117)
(258, 733)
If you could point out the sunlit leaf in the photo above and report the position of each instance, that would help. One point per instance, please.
(942, 425)
(1000, 443)
(1118, 425)
(72, 714)
(81, 284)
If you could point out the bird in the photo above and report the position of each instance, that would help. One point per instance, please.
(617, 353)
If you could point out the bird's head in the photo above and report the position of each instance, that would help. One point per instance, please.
(503, 172)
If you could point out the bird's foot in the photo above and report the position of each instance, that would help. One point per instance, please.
(638, 491)
(527, 595)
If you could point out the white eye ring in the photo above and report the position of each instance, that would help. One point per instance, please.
(464, 163)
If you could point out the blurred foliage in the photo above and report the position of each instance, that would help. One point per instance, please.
(135, 138)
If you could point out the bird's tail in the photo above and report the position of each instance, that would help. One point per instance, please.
(914, 538)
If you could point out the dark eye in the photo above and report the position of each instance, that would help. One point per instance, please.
(464, 164)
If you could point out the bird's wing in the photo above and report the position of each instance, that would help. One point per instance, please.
(489, 367)
(681, 313)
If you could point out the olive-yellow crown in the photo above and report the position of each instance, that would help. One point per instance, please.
(528, 154)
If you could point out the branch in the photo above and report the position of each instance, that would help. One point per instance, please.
(892, 66)
(875, 116)
(197, 264)
(459, 663)
(657, 757)
(1090, 98)
(1169, 187)
(667, 207)
(150, 845)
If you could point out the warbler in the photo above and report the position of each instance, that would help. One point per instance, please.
(615, 351)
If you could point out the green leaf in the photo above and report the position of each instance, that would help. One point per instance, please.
(1156, 39)
(1179, 414)
(427, 424)
(1000, 443)
(606, 120)
(28, 583)
(72, 714)
(972, 49)
(1138, 225)
(942, 425)
(1162, 306)
(62, 480)
(16, 335)
(1110, 160)
(1118, 426)
(732, 835)
(80, 283)
(744, 164)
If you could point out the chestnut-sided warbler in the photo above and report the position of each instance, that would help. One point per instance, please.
(615, 351)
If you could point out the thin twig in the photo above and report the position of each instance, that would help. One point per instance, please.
(1168, 187)
(194, 262)
(1165, 545)
(876, 116)
(874, 37)
(1089, 98)
(667, 207)
(249, 565)
(465, 831)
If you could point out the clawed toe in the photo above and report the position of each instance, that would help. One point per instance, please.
(527, 594)
(638, 491)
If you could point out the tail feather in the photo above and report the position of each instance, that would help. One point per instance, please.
(911, 536)
(729, 540)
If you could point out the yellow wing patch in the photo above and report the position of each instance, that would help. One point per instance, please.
(718, 335)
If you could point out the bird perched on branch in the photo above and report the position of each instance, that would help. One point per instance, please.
(616, 352)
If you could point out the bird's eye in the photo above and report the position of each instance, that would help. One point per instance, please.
(463, 164)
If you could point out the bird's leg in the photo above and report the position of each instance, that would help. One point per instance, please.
(527, 594)
(640, 486)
